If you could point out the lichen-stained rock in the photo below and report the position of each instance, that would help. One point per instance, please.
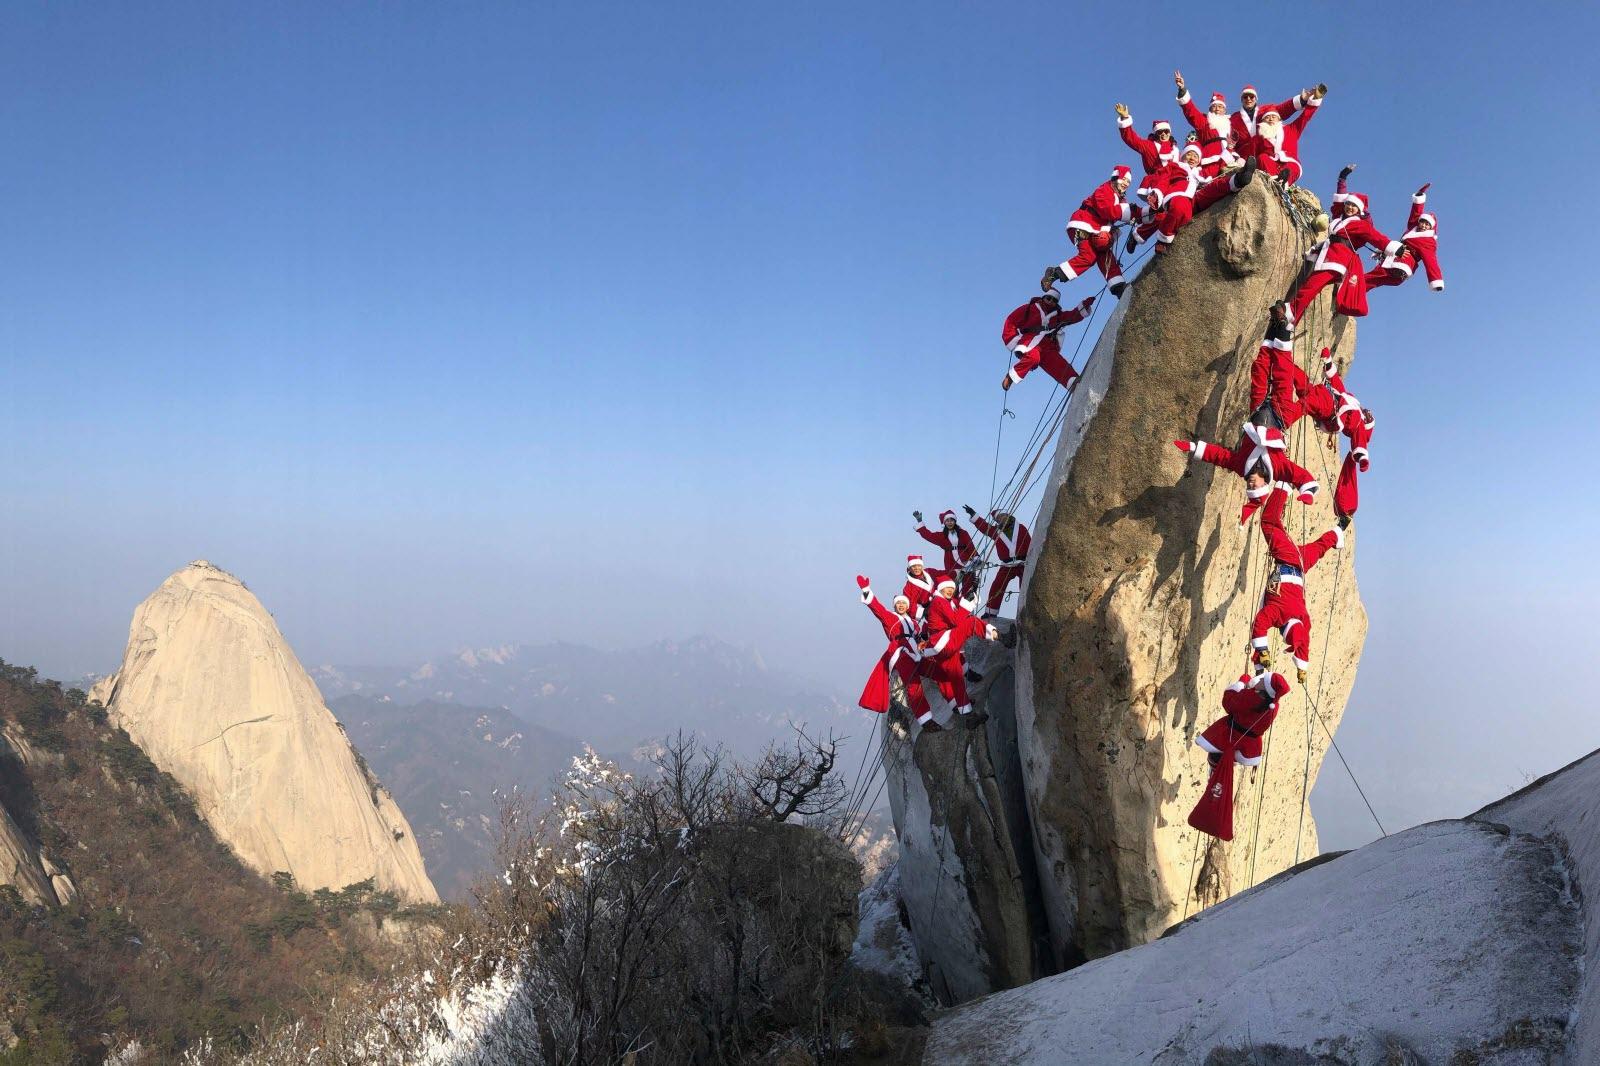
(211, 691)
(966, 875)
(1138, 603)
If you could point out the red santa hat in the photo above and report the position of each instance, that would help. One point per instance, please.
(902, 598)
(1218, 98)
(1265, 111)
(914, 560)
(1251, 89)
(946, 514)
(1427, 216)
(1357, 198)
(1050, 294)
(944, 582)
(1193, 146)
(1273, 686)
(1160, 124)
(1120, 171)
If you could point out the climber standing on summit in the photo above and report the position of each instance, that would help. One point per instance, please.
(1011, 543)
(1033, 333)
(1090, 226)
(959, 551)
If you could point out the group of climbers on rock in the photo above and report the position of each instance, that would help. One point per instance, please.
(930, 621)
(935, 614)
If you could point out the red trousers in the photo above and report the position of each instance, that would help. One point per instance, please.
(1180, 210)
(948, 672)
(1285, 611)
(1378, 276)
(997, 588)
(1048, 356)
(1094, 250)
(1345, 495)
(1315, 283)
(1289, 171)
(910, 676)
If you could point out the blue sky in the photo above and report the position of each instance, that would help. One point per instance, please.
(457, 324)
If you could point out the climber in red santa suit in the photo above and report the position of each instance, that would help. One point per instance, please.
(1011, 543)
(920, 582)
(1213, 131)
(1336, 258)
(1249, 706)
(1154, 151)
(959, 553)
(1283, 606)
(1261, 458)
(950, 626)
(1235, 129)
(1276, 144)
(1090, 226)
(1419, 244)
(1178, 191)
(900, 658)
(1033, 333)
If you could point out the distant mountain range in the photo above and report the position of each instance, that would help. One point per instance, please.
(446, 736)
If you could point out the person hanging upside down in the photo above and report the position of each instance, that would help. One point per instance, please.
(1261, 458)
(1011, 543)
(950, 626)
(1276, 143)
(959, 553)
(1283, 605)
(1033, 333)
(1179, 191)
(1336, 258)
(1090, 226)
(1419, 244)
(1250, 705)
(901, 657)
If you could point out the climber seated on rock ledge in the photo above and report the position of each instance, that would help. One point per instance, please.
(950, 626)
(1033, 333)
(1179, 190)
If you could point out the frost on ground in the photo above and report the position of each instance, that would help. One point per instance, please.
(1453, 942)
(883, 943)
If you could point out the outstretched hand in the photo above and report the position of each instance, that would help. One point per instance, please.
(1177, 79)
(917, 515)
(1425, 187)
(1122, 110)
(1321, 90)
(1349, 169)
(1183, 445)
(970, 512)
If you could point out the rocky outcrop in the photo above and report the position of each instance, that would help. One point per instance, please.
(20, 865)
(1137, 609)
(966, 876)
(211, 691)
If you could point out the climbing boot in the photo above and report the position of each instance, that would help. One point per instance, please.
(1133, 242)
(1052, 274)
(1263, 658)
(973, 677)
(1300, 675)
(1246, 173)
(1162, 247)
(1116, 288)
(1344, 521)
(930, 726)
(974, 719)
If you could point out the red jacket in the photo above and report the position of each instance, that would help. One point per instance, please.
(1258, 445)
(1151, 153)
(950, 625)
(1347, 235)
(1288, 149)
(1215, 150)
(957, 544)
(1418, 245)
(1011, 548)
(1242, 124)
(905, 638)
(1101, 210)
(1250, 711)
(1174, 180)
(1034, 326)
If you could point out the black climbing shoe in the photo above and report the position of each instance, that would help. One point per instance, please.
(1246, 174)
(1133, 242)
(974, 719)
(1052, 274)
(1116, 288)
(973, 677)
(1344, 521)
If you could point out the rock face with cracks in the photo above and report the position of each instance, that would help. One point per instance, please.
(1135, 617)
(211, 691)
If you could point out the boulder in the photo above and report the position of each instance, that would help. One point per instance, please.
(213, 694)
(1137, 606)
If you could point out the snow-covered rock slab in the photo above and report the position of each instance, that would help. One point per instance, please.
(1454, 941)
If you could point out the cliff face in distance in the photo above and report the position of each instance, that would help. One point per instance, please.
(212, 693)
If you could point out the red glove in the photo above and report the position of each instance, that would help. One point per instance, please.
(1424, 190)
(863, 582)
(1307, 498)
(1087, 303)
(1183, 445)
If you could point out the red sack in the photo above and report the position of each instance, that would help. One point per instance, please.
(1214, 813)
(1350, 298)
(875, 697)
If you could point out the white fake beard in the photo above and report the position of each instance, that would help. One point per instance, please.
(1220, 124)
(1272, 132)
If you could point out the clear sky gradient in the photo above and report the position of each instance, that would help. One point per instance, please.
(465, 324)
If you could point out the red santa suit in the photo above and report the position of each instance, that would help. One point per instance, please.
(900, 658)
(1180, 190)
(1153, 154)
(1283, 607)
(1276, 379)
(1090, 226)
(1244, 124)
(1278, 153)
(1032, 332)
(958, 551)
(1251, 705)
(1260, 444)
(919, 590)
(1012, 550)
(1215, 135)
(949, 627)
(1417, 246)
(1337, 258)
